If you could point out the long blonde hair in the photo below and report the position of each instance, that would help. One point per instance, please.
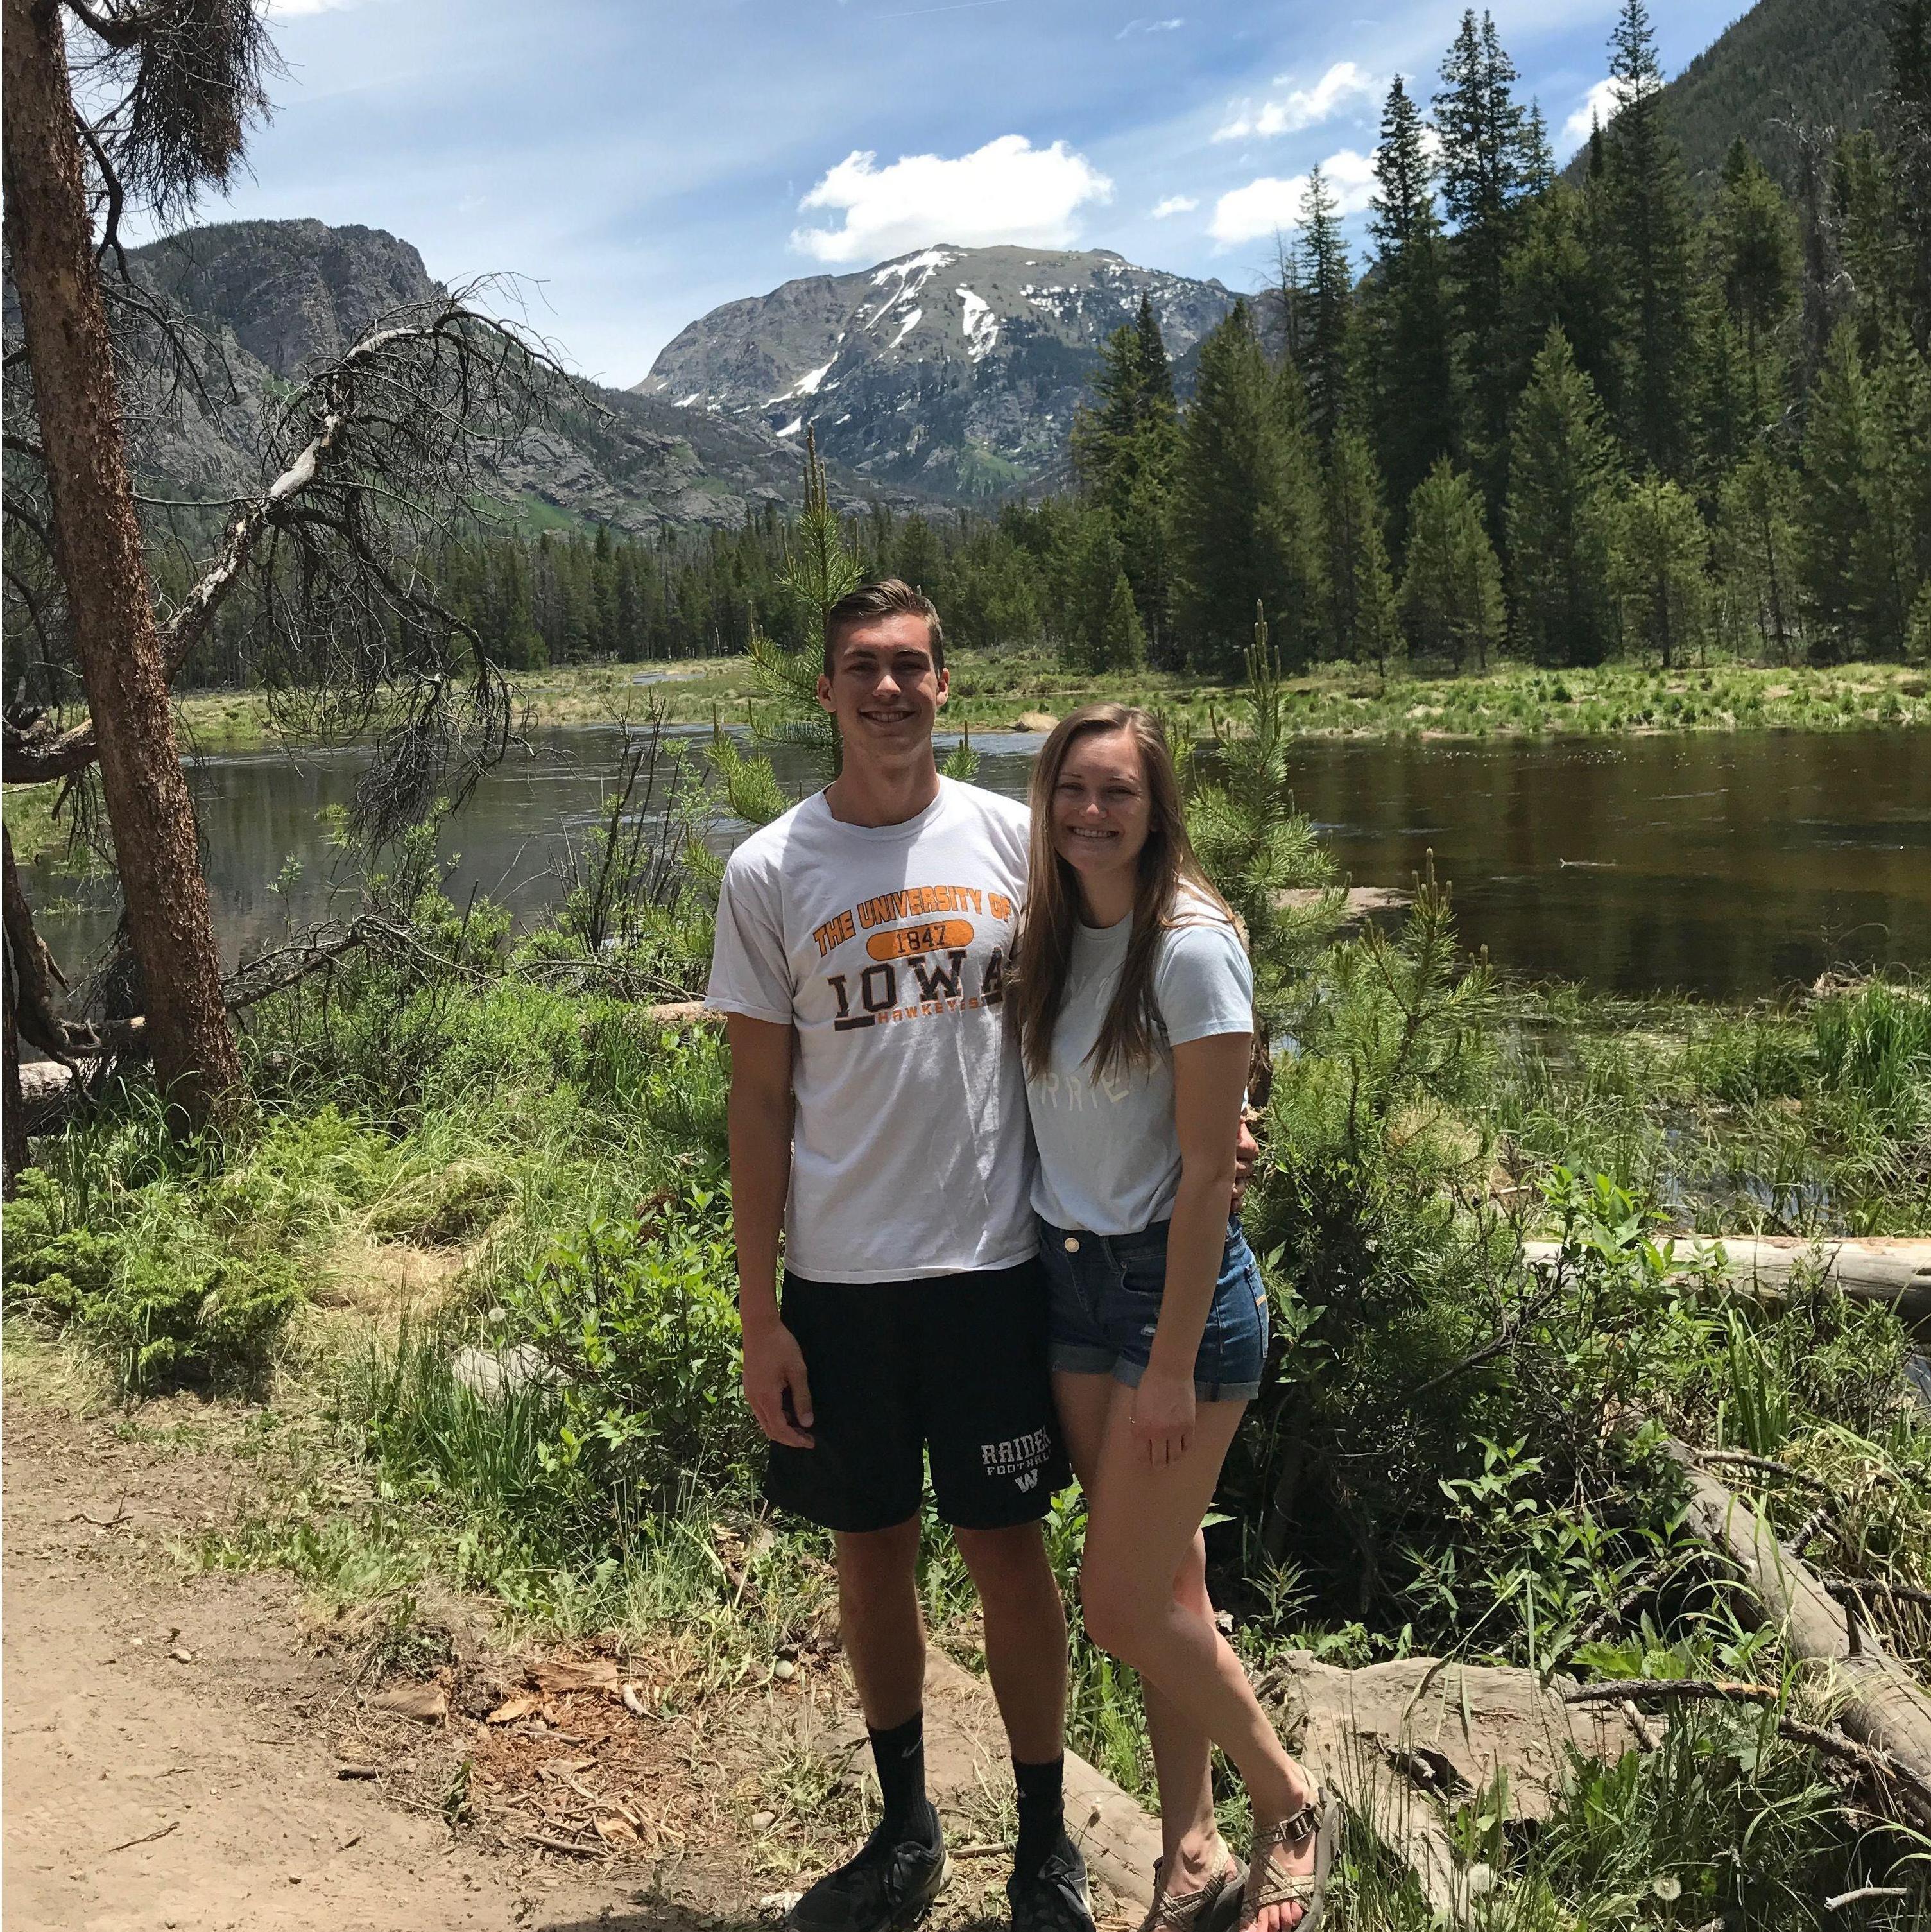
(1042, 957)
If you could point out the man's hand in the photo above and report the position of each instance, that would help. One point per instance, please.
(1246, 1152)
(1163, 1417)
(774, 1368)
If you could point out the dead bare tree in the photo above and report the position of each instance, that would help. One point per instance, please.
(358, 472)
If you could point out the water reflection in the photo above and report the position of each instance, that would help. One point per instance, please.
(1724, 865)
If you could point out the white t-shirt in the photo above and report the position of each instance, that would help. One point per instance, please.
(886, 947)
(1109, 1147)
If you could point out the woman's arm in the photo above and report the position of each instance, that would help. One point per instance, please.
(1209, 1076)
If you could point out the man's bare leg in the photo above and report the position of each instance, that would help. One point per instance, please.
(1025, 1635)
(879, 1620)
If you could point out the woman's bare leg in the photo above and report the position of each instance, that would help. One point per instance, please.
(1191, 1853)
(1142, 1519)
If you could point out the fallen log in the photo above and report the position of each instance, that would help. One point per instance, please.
(1401, 1742)
(1883, 1707)
(1897, 1271)
(1118, 1836)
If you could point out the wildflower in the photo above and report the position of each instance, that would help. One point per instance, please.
(1666, 1888)
(1481, 1880)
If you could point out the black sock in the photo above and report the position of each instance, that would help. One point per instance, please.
(1042, 1812)
(900, 1755)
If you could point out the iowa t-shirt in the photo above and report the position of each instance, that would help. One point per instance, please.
(886, 947)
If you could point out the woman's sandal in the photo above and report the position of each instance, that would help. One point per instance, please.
(1216, 1907)
(1268, 1886)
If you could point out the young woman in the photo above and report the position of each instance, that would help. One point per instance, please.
(1133, 998)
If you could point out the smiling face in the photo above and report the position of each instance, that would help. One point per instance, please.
(884, 689)
(1101, 811)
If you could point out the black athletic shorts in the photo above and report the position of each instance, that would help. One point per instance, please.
(953, 1367)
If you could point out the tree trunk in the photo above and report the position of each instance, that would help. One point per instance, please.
(98, 546)
(12, 1110)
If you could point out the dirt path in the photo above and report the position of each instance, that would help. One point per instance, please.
(173, 1740)
(162, 1765)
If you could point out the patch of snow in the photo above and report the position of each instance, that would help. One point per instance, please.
(981, 325)
(792, 426)
(807, 384)
(920, 264)
(911, 323)
(685, 402)
(846, 418)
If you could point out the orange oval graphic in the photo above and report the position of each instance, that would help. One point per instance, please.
(902, 942)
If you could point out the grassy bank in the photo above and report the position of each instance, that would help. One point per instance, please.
(992, 690)
(467, 1277)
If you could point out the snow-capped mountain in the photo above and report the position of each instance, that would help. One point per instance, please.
(953, 370)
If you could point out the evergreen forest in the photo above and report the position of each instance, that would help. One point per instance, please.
(1566, 420)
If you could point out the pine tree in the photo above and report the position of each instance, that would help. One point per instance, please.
(1649, 203)
(1361, 596)
(1451, 599)
(1659, 561)
(1327, 287)
(1562, 467)
(1123, 639)
(1837, 459)
(1905, 118)
(1482, 130)
(1753, 247)
(1123, 454)
(1405, 323)
(1246, 502)
(1561, 275)
(1865, 511)
(1757, 537)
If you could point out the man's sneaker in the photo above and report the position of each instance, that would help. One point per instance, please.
(884, 1888)
(1054, 1898)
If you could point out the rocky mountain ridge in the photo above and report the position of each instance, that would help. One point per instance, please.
(280, 297)
(954, 370)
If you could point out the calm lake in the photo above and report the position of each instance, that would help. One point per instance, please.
(1722, 865)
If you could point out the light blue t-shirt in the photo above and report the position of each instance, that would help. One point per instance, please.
(1109, 1148)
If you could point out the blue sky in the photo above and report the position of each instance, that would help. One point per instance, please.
(641, 163)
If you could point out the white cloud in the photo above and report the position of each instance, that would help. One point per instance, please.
(295, 9)
(1151, 27)
(1304, 107)
(1267, 205)
(1008, 190)
(1174, 204)
(1599, 104)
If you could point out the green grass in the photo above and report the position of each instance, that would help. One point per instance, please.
(1803, 1116)
(992, 689)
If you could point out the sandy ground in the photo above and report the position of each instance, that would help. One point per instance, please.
(173, 1740)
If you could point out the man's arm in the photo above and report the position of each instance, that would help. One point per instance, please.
(760, 1136)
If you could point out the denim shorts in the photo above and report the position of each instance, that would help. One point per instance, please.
(1104, 1300)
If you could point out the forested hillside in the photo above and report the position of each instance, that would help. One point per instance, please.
(1787, 66)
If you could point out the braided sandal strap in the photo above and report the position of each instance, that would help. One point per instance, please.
(1181, 1912)
(1267, 1885)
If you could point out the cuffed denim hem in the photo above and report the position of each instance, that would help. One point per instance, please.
(1127, 1370)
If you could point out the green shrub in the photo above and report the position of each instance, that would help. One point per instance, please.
(159, 1299)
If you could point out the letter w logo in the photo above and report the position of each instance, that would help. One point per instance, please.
(939, 983)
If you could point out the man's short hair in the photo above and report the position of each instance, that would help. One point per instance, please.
(890, 597)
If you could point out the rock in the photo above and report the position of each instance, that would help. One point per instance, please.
(1034, 721)
(495, 1372)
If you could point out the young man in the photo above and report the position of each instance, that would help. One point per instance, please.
(878, 1113)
